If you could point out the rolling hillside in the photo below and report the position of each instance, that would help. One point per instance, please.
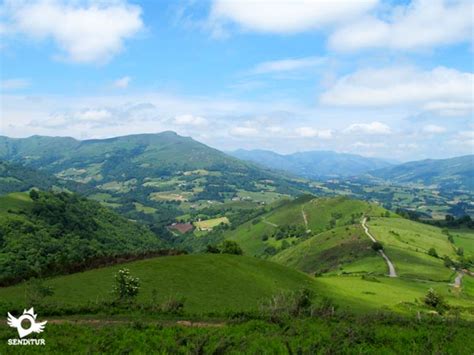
(297, 220)
(313, 164)
(453, 173)
(209, 283)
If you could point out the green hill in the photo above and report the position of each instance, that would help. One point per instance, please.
(453, 173)
(57, 233)
(209, 282)
(15, 177)
(297, 220)
(339, 250)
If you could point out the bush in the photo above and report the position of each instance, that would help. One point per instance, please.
(434, 300)
(377, 246)
(288, 304)
(231, 247)
(173, 305)
(126, 286)
(36, 290)
(212, 249)
(433, 252)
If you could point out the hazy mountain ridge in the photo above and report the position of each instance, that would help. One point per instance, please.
(314, 164)
(451, 173)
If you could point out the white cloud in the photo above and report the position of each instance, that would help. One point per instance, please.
(244, 131)
(436, 89)
(93, 115)
(286, 65)
(284, 16)
(14, 84)
(420, 24)
(376, 128)
(433, 129)
(190, 120)
(122, 83)
(85, 31)
(310, 132)
(365, 145)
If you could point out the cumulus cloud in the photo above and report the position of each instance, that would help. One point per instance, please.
(122, 83)
(420, 24)
(14, 84)
(287, 65)
(433, 129)
(310, 132)
(437, 89)
(190, 120)
(284, 16)
(375, 128)
(84, 31)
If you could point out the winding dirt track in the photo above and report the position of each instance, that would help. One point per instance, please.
(391, 268)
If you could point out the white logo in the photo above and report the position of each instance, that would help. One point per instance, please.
(19, 322)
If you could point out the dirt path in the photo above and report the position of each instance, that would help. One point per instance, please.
(100, 322)
(305, 219)
(269, 223)
(391, 268)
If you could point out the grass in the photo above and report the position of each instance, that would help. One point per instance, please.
(14, 202)
(211, 223)
(407, 243)
(464, 238)
(319, 213)
(343, 249)
(209, 283)
(397, 294)
(299, 336)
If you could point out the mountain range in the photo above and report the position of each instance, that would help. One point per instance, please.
(314, 164)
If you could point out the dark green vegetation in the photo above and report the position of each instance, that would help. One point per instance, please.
(368, 335)
(60, 232)
(314, 164)
(15, 177)
(453, 174)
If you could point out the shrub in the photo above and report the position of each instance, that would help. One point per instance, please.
(126, 286)
(231, 247)
(212, 249)
(288, 304)
(173, 305)
(36, 290)
(434, 300)
(377, 246)
(433, 252)
(460, 251)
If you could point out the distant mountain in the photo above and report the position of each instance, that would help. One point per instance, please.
(452, 173)
(313, 164)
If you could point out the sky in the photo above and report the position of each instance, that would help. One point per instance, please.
(381, 78)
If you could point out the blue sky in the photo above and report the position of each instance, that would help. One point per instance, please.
(372, 77)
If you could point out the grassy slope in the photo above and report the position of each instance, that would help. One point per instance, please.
(208, 282)
(394, 293)
(464, 238)
(319, 213)
(408, 247)
(343, 249)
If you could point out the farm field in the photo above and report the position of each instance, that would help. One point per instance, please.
(211, 223)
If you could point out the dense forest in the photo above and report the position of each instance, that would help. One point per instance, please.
(62, 232)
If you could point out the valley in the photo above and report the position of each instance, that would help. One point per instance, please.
(214, 240)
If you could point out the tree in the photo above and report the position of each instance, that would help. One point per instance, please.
(231, 247)
(34, 195)
(460, 251)
(377, 246)
(433, 252)
(212, 249)
(126, 286)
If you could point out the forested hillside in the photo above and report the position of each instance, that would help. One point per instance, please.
(47, 233)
